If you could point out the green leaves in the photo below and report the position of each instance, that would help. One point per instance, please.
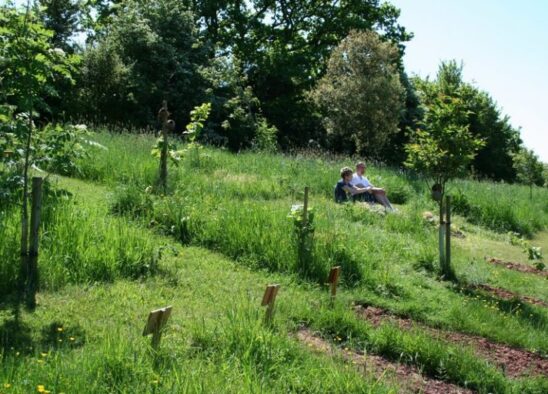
(31, 67)
(443, 147)
(529, 169)
(361, 96)
(197, 118)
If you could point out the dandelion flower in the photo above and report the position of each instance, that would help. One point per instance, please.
(40, 388)
(7, 385)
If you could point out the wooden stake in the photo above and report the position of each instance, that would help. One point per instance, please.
(442, 238)
(334, 275)
(269, 299)
(32, 264)
(305, 206)
(157, 319)
(163, 116)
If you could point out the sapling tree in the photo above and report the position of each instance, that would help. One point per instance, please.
(442, 148)
(30, 67)
(198, 116)
(166, 150)
(303, 223)
(529, 169)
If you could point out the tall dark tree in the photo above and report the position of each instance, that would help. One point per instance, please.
(62, 17)
(284, 46)
(155, 51)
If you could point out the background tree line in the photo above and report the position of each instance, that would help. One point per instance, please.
(279, 73)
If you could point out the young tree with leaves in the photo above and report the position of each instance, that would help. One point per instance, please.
(30, 67)
(529, 169)
(442, 149)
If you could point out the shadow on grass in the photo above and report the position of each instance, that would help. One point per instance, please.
(19, 338)
(59, 335)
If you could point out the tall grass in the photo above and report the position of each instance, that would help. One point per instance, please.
(78, 245)
(238, 205)
(262, 176)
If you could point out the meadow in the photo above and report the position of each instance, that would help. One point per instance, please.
(115, 246)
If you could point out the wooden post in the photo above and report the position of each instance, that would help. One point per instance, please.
(269, 299)
(32, 265)
(157, 319)
(442, 238)
(333, 280)
(305, 206)
(163, 116)
(447, 235)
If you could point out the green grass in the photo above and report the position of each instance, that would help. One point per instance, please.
(79, 244)
(112, 250)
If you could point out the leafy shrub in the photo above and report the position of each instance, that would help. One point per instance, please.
(61, 148)
(265, 137)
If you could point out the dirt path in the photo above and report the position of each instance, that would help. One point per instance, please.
(517, 266)
(514, 362)
(507, 294)
(407, 377)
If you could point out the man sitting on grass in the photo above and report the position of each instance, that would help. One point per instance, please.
(360, 181)
(344, 190)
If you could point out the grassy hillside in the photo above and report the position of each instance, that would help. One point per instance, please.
(114, 247)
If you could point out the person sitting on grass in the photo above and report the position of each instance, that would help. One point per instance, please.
(344, 190)
(360, 180)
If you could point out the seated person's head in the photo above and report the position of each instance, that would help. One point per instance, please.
(360, 168)
(346, 174)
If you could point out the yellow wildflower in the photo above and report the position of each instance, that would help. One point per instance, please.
(40, 388)
(60, 329)
(7, 385)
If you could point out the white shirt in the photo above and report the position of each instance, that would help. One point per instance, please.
(358, 180)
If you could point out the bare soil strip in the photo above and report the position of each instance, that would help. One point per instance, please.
(514, 362)
(407, 377)
(507, 294)
(511, 265)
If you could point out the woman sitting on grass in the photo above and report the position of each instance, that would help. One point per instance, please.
(360, 180)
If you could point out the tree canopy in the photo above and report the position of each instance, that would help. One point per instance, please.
(361, 94)
(278, 74)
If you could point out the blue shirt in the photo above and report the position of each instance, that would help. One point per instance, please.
(340, 193)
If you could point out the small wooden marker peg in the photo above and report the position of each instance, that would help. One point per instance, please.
(269, 298)
(305, 205)
(157, 319)
(334, 279)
